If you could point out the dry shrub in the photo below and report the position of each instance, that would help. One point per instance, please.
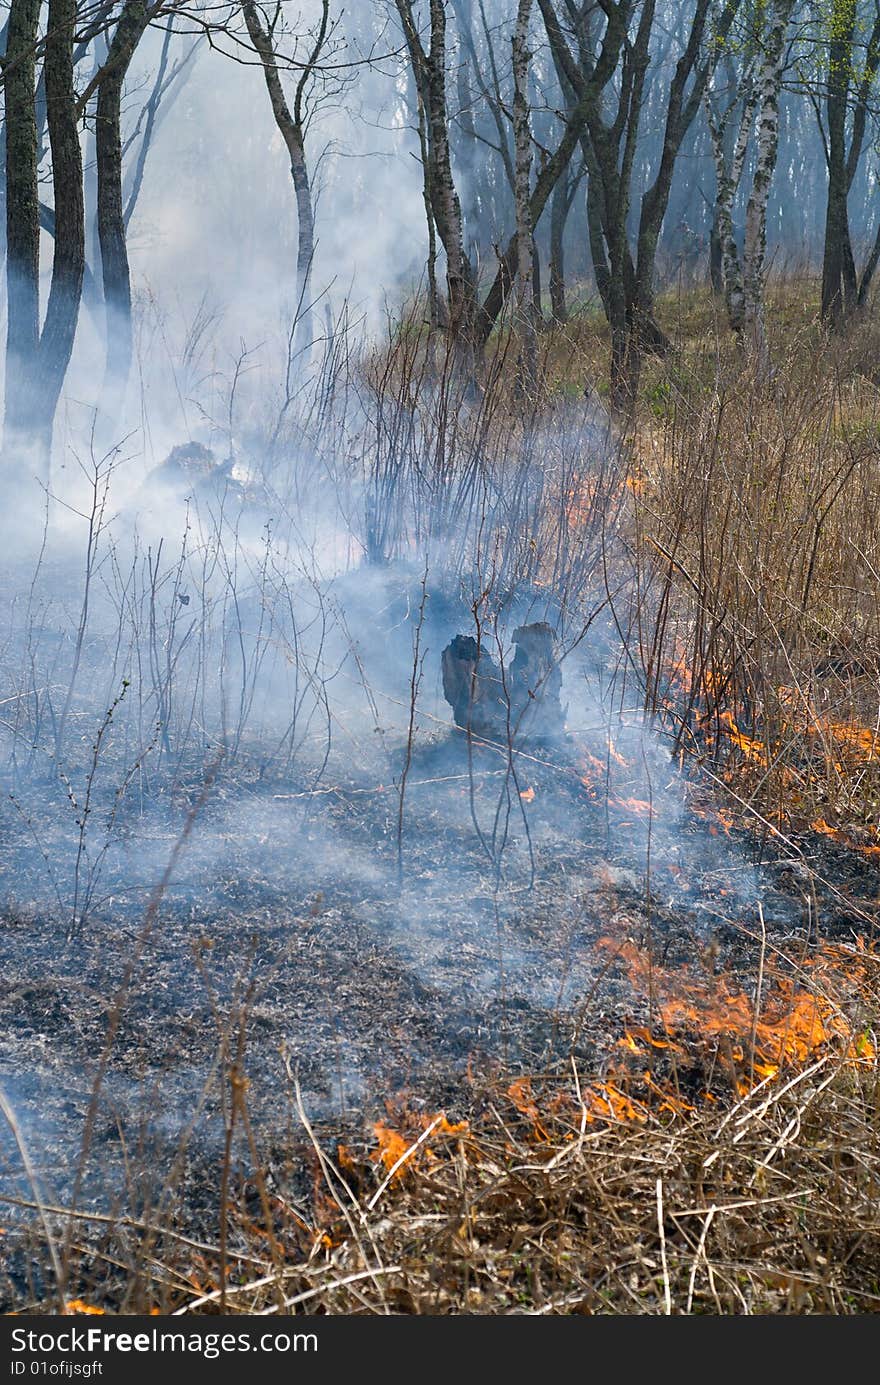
(757, 545)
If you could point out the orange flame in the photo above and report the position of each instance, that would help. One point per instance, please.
(392, 1144)
(520, 1093)
(636, 805)
(820, 825)
(793, 1023)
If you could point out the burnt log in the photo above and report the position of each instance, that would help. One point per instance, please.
(521, 702)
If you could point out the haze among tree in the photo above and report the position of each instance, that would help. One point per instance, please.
(439, 658)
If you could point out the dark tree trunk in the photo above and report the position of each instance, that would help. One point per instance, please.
(68, 267)
(626, 286)
(537, 286)
(560, 206)
(838, 284)
(291, 127)
(22, 223)
(111, 217)
(37, 363)
(551, 171)
(850, 84)
(597, 243)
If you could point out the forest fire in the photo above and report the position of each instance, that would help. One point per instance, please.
(706, 1032)
(599, 778)
(440, 798)
(809, 755)
(812, 1007)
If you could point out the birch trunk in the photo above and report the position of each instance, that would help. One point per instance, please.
(728, 174)
(769, 82)
(446, 204)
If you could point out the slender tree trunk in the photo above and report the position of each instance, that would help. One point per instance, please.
(755, 246)
(849, 89)
(597, 243)
(111, 216)
(560, 206)
(537, 285)
(728, 174)
(90, 184)
(470, 153)
(68, 267)
(633, 295)
(689, 81)
(290, 126)
(627, 288)
(839, 287)
(436, 308)
(429, 71)
(22, 225)
(716, 262)
(525, 247)
(167, 86)
(869, 270)
(447, 207)
(305, 244)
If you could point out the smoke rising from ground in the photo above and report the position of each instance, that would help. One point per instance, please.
(363, 887)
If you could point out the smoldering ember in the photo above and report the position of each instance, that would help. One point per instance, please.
(440, 658)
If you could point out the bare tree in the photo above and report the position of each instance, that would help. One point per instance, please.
(429, 70)
(853, 48)
(38, 360)
(292, 123)
(110, 79)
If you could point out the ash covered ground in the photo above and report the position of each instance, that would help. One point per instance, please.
(396, 911)
(286, 922)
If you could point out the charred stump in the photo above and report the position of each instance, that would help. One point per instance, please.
(536, 684)
(523, 702)
(474, 688)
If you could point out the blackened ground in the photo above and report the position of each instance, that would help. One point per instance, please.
(303, 940)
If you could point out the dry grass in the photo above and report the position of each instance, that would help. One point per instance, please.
(764, 1205)
(754, 609)
(766, 1208)
(761, 511)
(692, 1177)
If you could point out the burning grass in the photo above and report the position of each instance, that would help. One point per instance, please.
(726, 1161)
(755, 544)
(688, 1178)
(721, 1154)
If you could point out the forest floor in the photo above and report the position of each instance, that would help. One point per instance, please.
(614, 1090)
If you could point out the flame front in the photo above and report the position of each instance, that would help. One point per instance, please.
(795, 1020)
